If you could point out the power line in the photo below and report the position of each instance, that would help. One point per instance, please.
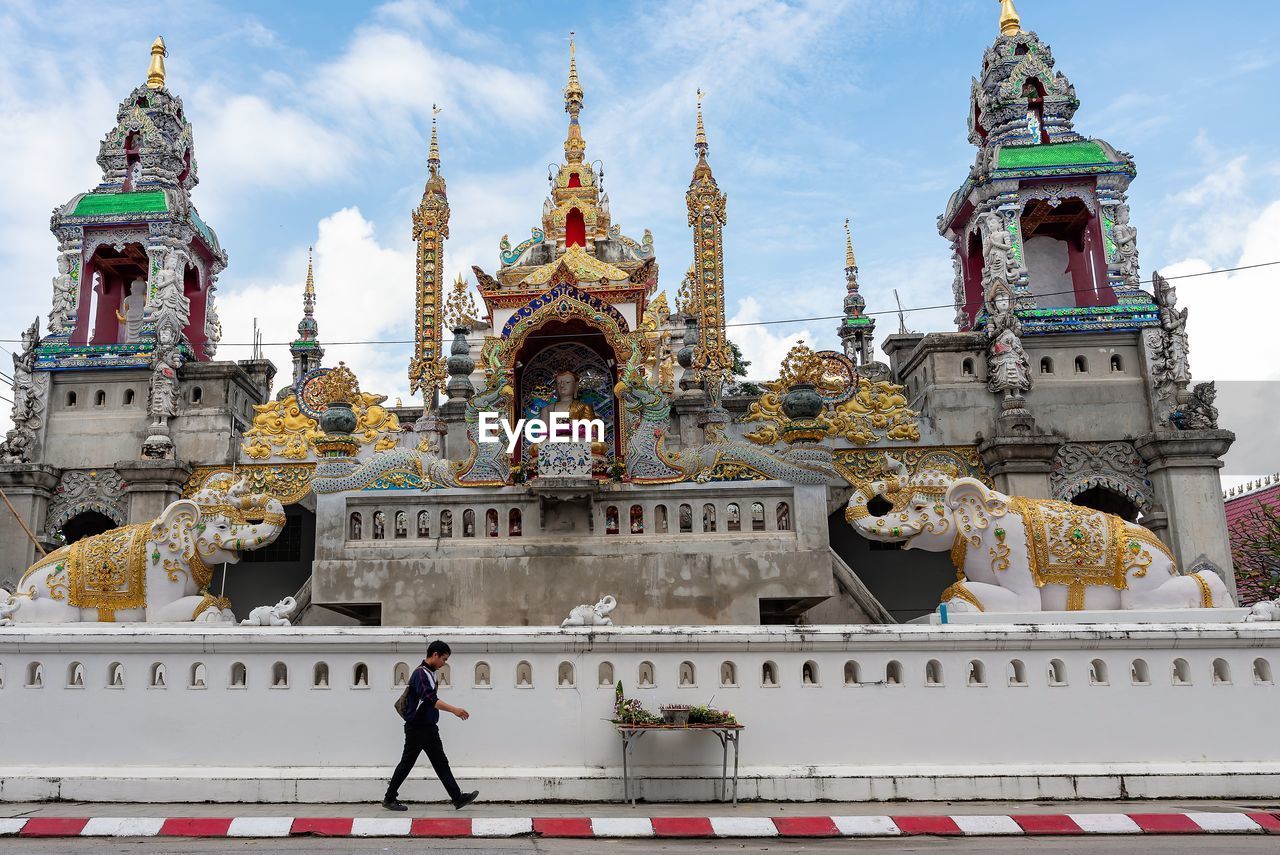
(909, 310)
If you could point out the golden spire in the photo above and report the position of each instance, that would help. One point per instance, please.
(1010, 23)
(309, 290)
(433, 156)
(574, 145)
(700, 138)
(155, 72)
(849, 261)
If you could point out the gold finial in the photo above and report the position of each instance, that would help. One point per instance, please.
(573, 91)
(574, 145)
(849, 261)
(1010, 23)
(433, 156)
(310, 289)
(700, 138)
(155, 72)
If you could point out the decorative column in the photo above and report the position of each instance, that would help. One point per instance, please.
(1020, 465)
(29, 487)
(1183, 467)
(152, 485)
(711, 359)
(430, 228)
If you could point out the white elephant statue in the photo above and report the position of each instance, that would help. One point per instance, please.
(156, 572)
(277, 615)
(1014, 554)
(589, 615)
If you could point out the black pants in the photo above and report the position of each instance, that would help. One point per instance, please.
(424, 738)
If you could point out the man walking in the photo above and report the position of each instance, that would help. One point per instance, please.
(422, 731)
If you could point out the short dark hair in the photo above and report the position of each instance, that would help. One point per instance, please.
(439, 647)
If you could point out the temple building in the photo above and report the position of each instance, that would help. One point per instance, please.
(694, 505)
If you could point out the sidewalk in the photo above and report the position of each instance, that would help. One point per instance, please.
(756, 820)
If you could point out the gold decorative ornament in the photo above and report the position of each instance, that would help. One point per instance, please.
(460, 309)
(288, 482)
(959, 591)
(430, 228)
(155, 71)
(282, 429)
(873, 411)
(1010, 23)
(107, 572)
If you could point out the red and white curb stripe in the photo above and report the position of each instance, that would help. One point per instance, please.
(669, 827)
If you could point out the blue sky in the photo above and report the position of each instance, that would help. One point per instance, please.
(311, 122)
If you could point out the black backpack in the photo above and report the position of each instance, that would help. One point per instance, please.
(402, 702)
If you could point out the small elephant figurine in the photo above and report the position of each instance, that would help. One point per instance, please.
(588, 615)
(1265, 610)
(277, 615)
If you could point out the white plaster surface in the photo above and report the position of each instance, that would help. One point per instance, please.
(743, 826)
(1224, 822)
(498, 826)
(126, 826)
(985, 825)
(621, 827)
(1105, 823)
(381, 827)
(260, 826)
(865, 826)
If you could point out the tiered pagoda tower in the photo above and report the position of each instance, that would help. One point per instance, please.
(305, 349)
(136, 265)
(857, 330)
(1043, 209)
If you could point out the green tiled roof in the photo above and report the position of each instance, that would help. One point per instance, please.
(1055, 154)
(97, 204)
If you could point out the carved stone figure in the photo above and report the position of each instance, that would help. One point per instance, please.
(64, 297)
(1170, 363)
(997, 252)
(1008, 370)
(1197, 411)
(1126, 238)
(171, 304)
(277, 615)
(151, 572)
(957, 290)
(162, 399)
(589, 615)
(133, 306)
(1014, 554)
(28, 400)
(212, 328)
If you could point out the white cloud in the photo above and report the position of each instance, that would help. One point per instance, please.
(1225, 343)
(364, 293)
(761, 345)
(249, 141)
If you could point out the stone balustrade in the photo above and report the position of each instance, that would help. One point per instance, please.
(443, 515)
(831, 712)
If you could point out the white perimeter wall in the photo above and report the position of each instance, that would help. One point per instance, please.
(1218, 708)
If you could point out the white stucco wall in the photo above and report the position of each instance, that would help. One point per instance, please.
(1183, 719)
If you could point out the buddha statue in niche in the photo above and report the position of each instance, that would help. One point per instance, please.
(568, 402)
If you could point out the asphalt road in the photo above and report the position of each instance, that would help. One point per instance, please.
(1137, 845)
